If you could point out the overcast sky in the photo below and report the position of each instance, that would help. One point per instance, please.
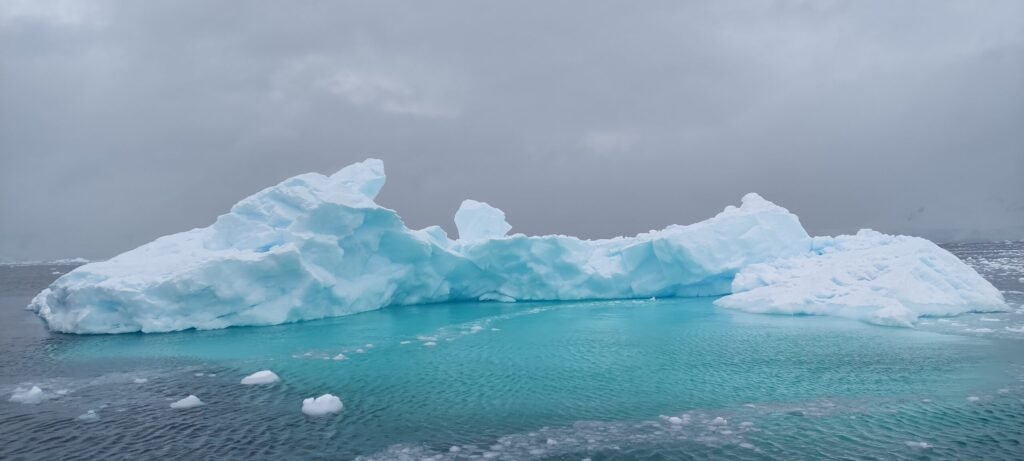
(124, 121)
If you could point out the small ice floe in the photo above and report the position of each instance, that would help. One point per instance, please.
(675, 420)
(475, 329)
(29, 396)
(321, 406)
(430, 344)
(552, 442)
(719, 421)
(919, 445)
(339, 357)
(1004, 390)
(199, 374)
(140, 381)
(495, 329)
(368, 346)
(979, 330)
(261, 377)
(188, 402)
(746, 424)
(89, 417)
(973, 398)
(1019, 329)
(990, 319)
(454, 449)
(404, 342)
(360, 351)
(746, 445)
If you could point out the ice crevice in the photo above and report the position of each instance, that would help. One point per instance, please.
(317, 246)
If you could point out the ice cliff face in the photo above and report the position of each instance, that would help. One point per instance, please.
(318, 246)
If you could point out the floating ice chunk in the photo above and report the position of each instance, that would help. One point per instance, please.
(1019, 329)
(919, 445)
(746, 424)
(973, 398)
(404, 342)
(339, 357)
(29, 396)
(360, 351)
(719, 421)
(188, 402)
(140, 380)
(89, 417)
(990, 319)
(979, 330)
(261, 377)
(675, 420)
(430, 344)
(454, 449)
(321, 406)
(368, 346)
(480, 221)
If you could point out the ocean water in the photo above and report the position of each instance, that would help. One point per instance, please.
(615, 380)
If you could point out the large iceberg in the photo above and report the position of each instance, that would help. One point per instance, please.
(317, 246)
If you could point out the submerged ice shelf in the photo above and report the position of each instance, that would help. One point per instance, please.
(318, 246)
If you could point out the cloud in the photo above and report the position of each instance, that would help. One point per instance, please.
(121, 121)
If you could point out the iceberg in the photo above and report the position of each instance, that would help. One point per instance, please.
(317, 246)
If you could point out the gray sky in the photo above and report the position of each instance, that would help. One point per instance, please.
(124, 121)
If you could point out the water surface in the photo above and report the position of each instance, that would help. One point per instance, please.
(651, 379)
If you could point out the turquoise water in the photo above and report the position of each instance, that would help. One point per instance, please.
(652, 379)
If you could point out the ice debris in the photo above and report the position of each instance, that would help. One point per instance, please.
(188, 402)
(261, 377)
(30, 396)
(317, 246)
(321, 406)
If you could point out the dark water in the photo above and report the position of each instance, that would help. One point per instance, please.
(666, 379)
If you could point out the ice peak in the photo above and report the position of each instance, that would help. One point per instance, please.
(480, 221)
(366, 177)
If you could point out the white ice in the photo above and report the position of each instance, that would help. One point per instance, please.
(261, 377)
(317, 246)
(188, 402)
(321, 406)
(31, 395)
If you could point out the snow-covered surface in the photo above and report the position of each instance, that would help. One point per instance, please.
(188, 402)
(32, 395)
(317, 246)
(883, 279)
(321, 406)
(261, 377)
